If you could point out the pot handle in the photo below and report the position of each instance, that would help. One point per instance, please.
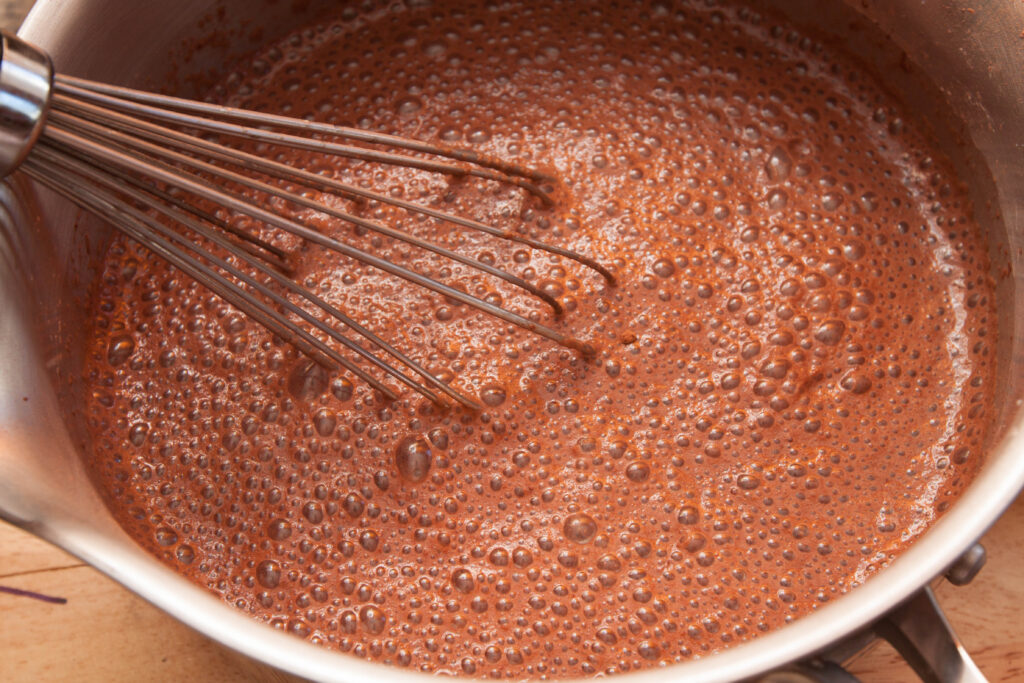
(917, 629)
(920, 632)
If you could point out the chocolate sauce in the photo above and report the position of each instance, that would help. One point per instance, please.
(792, 377)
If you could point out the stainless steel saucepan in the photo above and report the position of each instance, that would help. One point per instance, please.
(958, 62)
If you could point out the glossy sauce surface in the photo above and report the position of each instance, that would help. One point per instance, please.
(791, 380)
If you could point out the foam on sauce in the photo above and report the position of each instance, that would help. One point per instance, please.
(791, 381)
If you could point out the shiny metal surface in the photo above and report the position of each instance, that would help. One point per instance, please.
(972, 61)
(26, 76)
(967, 566)
(824, 672)
(921, 634)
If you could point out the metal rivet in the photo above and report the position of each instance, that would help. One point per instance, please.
(967, 566)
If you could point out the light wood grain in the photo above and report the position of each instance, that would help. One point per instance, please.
(104, 633)
(12, 12)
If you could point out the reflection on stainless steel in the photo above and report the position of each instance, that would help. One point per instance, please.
(974, 61)
(25, 77)
(967, 566)
(920, 632)
(809, 672)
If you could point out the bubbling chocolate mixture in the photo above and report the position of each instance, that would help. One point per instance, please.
(791, 379)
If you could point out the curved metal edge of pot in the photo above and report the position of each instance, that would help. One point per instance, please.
(93, 542)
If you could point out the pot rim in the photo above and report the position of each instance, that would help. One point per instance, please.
(994, 489)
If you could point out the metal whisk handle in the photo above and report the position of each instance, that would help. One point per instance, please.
(26, 80)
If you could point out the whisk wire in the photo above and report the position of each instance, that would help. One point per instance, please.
(190, 143)
(85, 170)
(252, 162)
(123, 98)
(149, 231)
(197, 186)
(299, 142)
(134, 224)
(251, 244)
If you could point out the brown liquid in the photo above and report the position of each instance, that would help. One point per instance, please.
(791, 381)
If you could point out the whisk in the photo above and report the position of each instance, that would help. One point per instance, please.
(133, 157)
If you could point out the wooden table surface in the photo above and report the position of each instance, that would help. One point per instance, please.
(12, 12)
(104, 633)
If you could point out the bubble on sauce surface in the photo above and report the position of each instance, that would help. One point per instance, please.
(120, 349)
(166, 536)
(688, 515)
(369, 540)
(462, 580)
(268, 573)
(341, 388)
(663, 267)
(353, 505)
(185, 554)
(325, 422)
(439, 438)
(522, 557)
(638, 471)
(493, 395)
(779, 165)
(373, 619)
(307, 380)
(830, 332)
(313, 512)
(279, 529)
(409, 106)
(579, 527)
(856, 383)
(413, 457)
(137, 433)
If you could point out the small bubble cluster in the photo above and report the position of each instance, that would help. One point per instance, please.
(792, 379)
